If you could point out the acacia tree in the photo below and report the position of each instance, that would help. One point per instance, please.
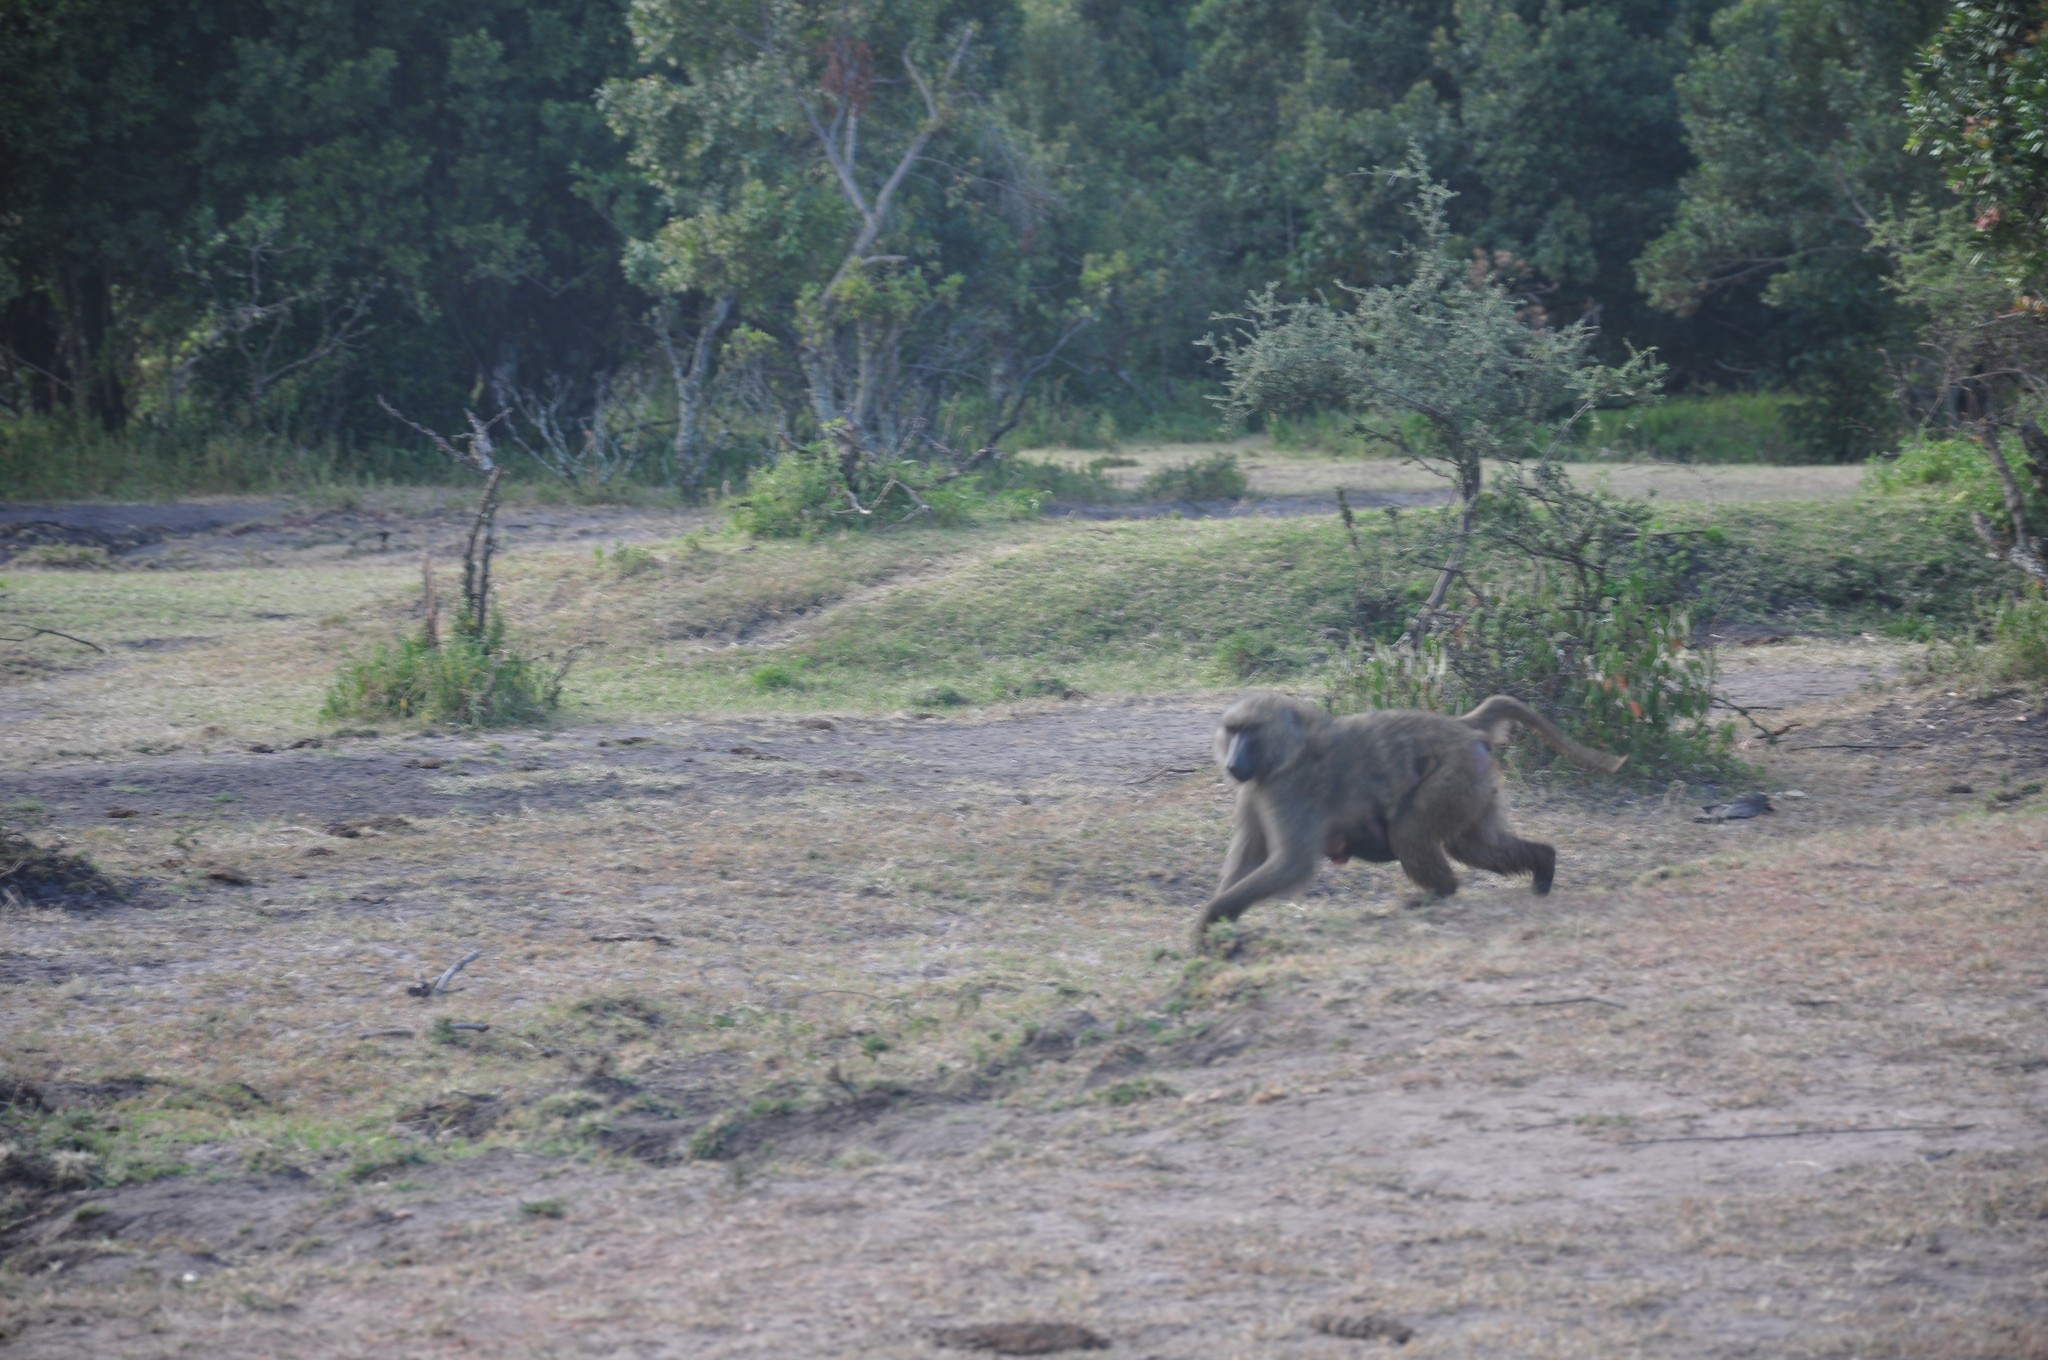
(833, 180)
(1576, 602)
(1450, 368)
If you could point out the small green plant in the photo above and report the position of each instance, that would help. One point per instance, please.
(472, 677)
(874, 1046)
(942, 696)
(1135, 1089)
(772, 676)
(1214, 478)
(627, 559)
(544, 1208)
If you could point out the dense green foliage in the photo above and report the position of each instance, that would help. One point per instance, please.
(1979, 106)
(667, 233)
(472, 678)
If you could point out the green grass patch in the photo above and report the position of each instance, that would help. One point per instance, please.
(1169, 606)
(1728, 428)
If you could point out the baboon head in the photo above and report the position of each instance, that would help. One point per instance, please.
(1260, 734)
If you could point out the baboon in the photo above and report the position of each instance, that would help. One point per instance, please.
(1399, 784)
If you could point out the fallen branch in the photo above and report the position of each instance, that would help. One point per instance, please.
(1861, 746)
(1770, 735)
(648, 938)
(34, 633)
(1800, 1133)
(1167, 772)
(1570, 1001)
(440, 984)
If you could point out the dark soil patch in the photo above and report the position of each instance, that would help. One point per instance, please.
(1022, 1338)
(40, 876)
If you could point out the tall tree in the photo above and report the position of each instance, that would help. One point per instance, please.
(1796, 120)
(839, 173)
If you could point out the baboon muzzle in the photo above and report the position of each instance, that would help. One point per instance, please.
(1241, 758)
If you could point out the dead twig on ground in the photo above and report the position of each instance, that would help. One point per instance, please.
(1166, 772)
(1769, 734)
(1800, 1133)
(34, 633)
(1569, 1001)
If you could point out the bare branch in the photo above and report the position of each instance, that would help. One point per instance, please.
(34, 633)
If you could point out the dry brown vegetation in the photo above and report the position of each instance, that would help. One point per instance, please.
(809, 1034)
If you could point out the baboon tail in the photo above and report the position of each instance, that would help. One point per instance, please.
(1492, 717)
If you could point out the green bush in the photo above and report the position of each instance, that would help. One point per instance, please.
(1214, 478)
(778, 675)
(1955, 470)
(804, 493)
(1055, 481)
(1626, 679)
(471, 677)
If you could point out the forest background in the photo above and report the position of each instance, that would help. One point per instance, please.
(669, 237)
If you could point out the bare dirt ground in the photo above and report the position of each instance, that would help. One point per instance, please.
(822, 1037)
(831, 1036)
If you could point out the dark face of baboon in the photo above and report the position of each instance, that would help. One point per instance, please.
(1400, 784)
(1260, 734)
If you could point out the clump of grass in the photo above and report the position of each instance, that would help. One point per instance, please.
(2019, 642)
(942, 696)
(544, 1208)
(627, 559)
(778, 675)
(2015, 652)
(1214, 478)
(808, 491)
(473, 677)
(65, 557)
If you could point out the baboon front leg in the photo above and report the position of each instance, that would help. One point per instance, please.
(1491, 846)
(1423, 859)
(1287, 868)
(1247, 849)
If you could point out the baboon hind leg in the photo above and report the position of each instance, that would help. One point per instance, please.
(1423, 860)
(1490, 845)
